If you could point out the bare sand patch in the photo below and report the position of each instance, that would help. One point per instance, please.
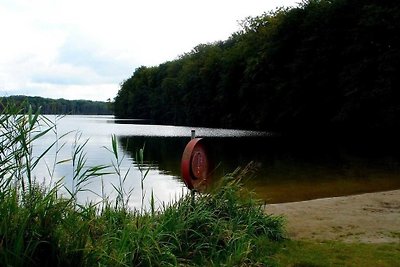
(366, 218)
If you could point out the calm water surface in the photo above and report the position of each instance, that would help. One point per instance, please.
(286, 170)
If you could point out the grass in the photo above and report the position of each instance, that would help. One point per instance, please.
(307, 253)
(215, 229)
(39, 227)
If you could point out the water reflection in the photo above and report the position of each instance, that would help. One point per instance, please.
(289, 169)
(162, 157)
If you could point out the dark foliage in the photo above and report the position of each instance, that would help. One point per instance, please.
(326, 65)
(60, 106)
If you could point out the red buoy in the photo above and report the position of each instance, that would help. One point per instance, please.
(195, 166)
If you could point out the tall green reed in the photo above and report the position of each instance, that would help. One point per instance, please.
(143, 174)
(30, 211)
(25, 207)
(18, 132)
(83, 174)
(123, 194)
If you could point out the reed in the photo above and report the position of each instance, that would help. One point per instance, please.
(40, 227)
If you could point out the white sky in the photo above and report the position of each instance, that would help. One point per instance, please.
(84, 49)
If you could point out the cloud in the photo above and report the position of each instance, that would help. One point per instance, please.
(71, 48)
(81, 53)
(81, 63)
(65, 74)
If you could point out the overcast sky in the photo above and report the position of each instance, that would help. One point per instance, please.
(84, 49)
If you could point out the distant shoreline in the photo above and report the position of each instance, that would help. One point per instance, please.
(365, 218)
(51, 106)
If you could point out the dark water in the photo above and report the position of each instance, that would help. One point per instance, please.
(287, 169)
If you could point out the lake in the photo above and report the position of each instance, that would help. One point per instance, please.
(287, 169)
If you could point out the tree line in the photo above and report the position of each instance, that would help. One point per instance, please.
(59, 106)
(324, 65)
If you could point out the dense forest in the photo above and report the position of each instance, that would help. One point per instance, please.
(59, 106)
(325, 65)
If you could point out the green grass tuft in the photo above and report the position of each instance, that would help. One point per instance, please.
(221, 228)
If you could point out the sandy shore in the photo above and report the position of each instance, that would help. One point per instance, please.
(368, 218)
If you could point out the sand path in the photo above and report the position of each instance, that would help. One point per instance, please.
(367, 218)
